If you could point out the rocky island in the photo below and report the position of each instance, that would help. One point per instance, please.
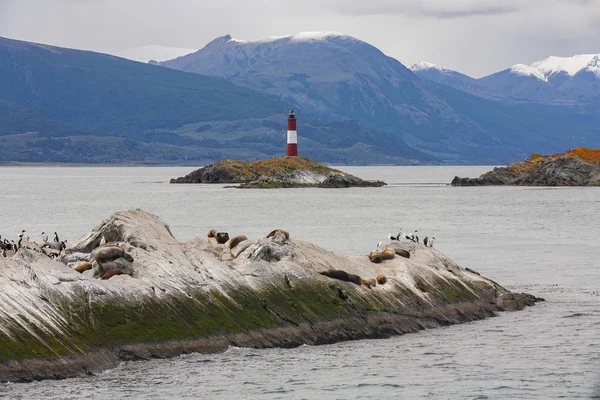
(277, 172)
(157, 297)
(576, 167)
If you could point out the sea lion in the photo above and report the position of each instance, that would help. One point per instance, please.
(369, 283)
(237, 240)
(109, 253)
(120, 263)
(110, 273)
(84, 266)
(381, 279)
(237, 250)
(285, 233)
(342, 276)
(212, 233)
(402, 253)
(222, 237)
(388, 253)
(375, 257)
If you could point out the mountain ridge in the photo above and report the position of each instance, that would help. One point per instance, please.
(355, 80)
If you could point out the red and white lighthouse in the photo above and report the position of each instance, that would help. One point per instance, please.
(292, 137)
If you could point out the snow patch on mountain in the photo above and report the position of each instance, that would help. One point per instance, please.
(424, 65)
(299, 37)
(527, 70)
(153, 52)
(570, 65)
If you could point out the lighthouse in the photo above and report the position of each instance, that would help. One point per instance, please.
(292, 137)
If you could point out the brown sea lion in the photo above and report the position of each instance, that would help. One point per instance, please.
(342, 276)
(402, 253)
(388, 253)
(212, 233)
(237, 240)
(110, 273)
(120, 263)
(375, 257)
(109, 253)
(285, 233)
(369, 283)
(84, 266)
(381, 279)
(222, 237)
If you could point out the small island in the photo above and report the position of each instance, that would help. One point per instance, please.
(128, 290)
(277, 172)
(576, 167)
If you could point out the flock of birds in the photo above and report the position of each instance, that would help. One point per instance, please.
(413, 237)
(51, 248)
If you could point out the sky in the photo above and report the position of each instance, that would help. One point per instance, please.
(476, 37)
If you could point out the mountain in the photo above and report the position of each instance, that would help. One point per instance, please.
(446, 76)
(337, 76)
(64, 105)
(153, 52)
(574, 80)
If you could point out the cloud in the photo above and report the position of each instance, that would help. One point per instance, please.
(445, 9)
(429, 8)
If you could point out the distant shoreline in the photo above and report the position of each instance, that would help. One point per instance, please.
(134, 165)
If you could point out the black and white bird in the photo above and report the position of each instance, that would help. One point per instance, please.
(44, 237)
(392, 238)
(425, 241)
(431, 242)
(56, 237)
(102, 241)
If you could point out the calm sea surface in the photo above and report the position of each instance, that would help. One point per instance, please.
(541, 240)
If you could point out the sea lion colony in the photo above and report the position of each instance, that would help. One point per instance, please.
(109, 260)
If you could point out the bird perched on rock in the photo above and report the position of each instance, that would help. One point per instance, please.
(56, 237)
(425, 241)
(431, 242)
(102, 241)
(44, 237)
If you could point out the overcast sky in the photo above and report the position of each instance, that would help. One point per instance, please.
(477, 37)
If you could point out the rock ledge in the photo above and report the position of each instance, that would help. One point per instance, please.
(576, 167)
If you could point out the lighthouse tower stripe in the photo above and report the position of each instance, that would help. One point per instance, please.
(292, 137)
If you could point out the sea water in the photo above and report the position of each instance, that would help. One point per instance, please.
(544, 241)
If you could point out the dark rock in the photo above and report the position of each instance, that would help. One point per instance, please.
(576, 167)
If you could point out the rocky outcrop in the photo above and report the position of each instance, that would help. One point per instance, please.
(202, 296)
(284, 172)
(576, 167)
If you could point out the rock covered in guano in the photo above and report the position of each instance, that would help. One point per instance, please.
(172, 297)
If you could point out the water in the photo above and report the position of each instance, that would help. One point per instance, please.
(540, 240)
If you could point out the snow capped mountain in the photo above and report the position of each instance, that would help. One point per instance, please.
(152, 52)
(568, 65)
(573, 79)
(338, 78)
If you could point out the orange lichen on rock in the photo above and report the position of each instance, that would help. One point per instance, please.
(252, 169)
(585, 154)
(589, 155)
